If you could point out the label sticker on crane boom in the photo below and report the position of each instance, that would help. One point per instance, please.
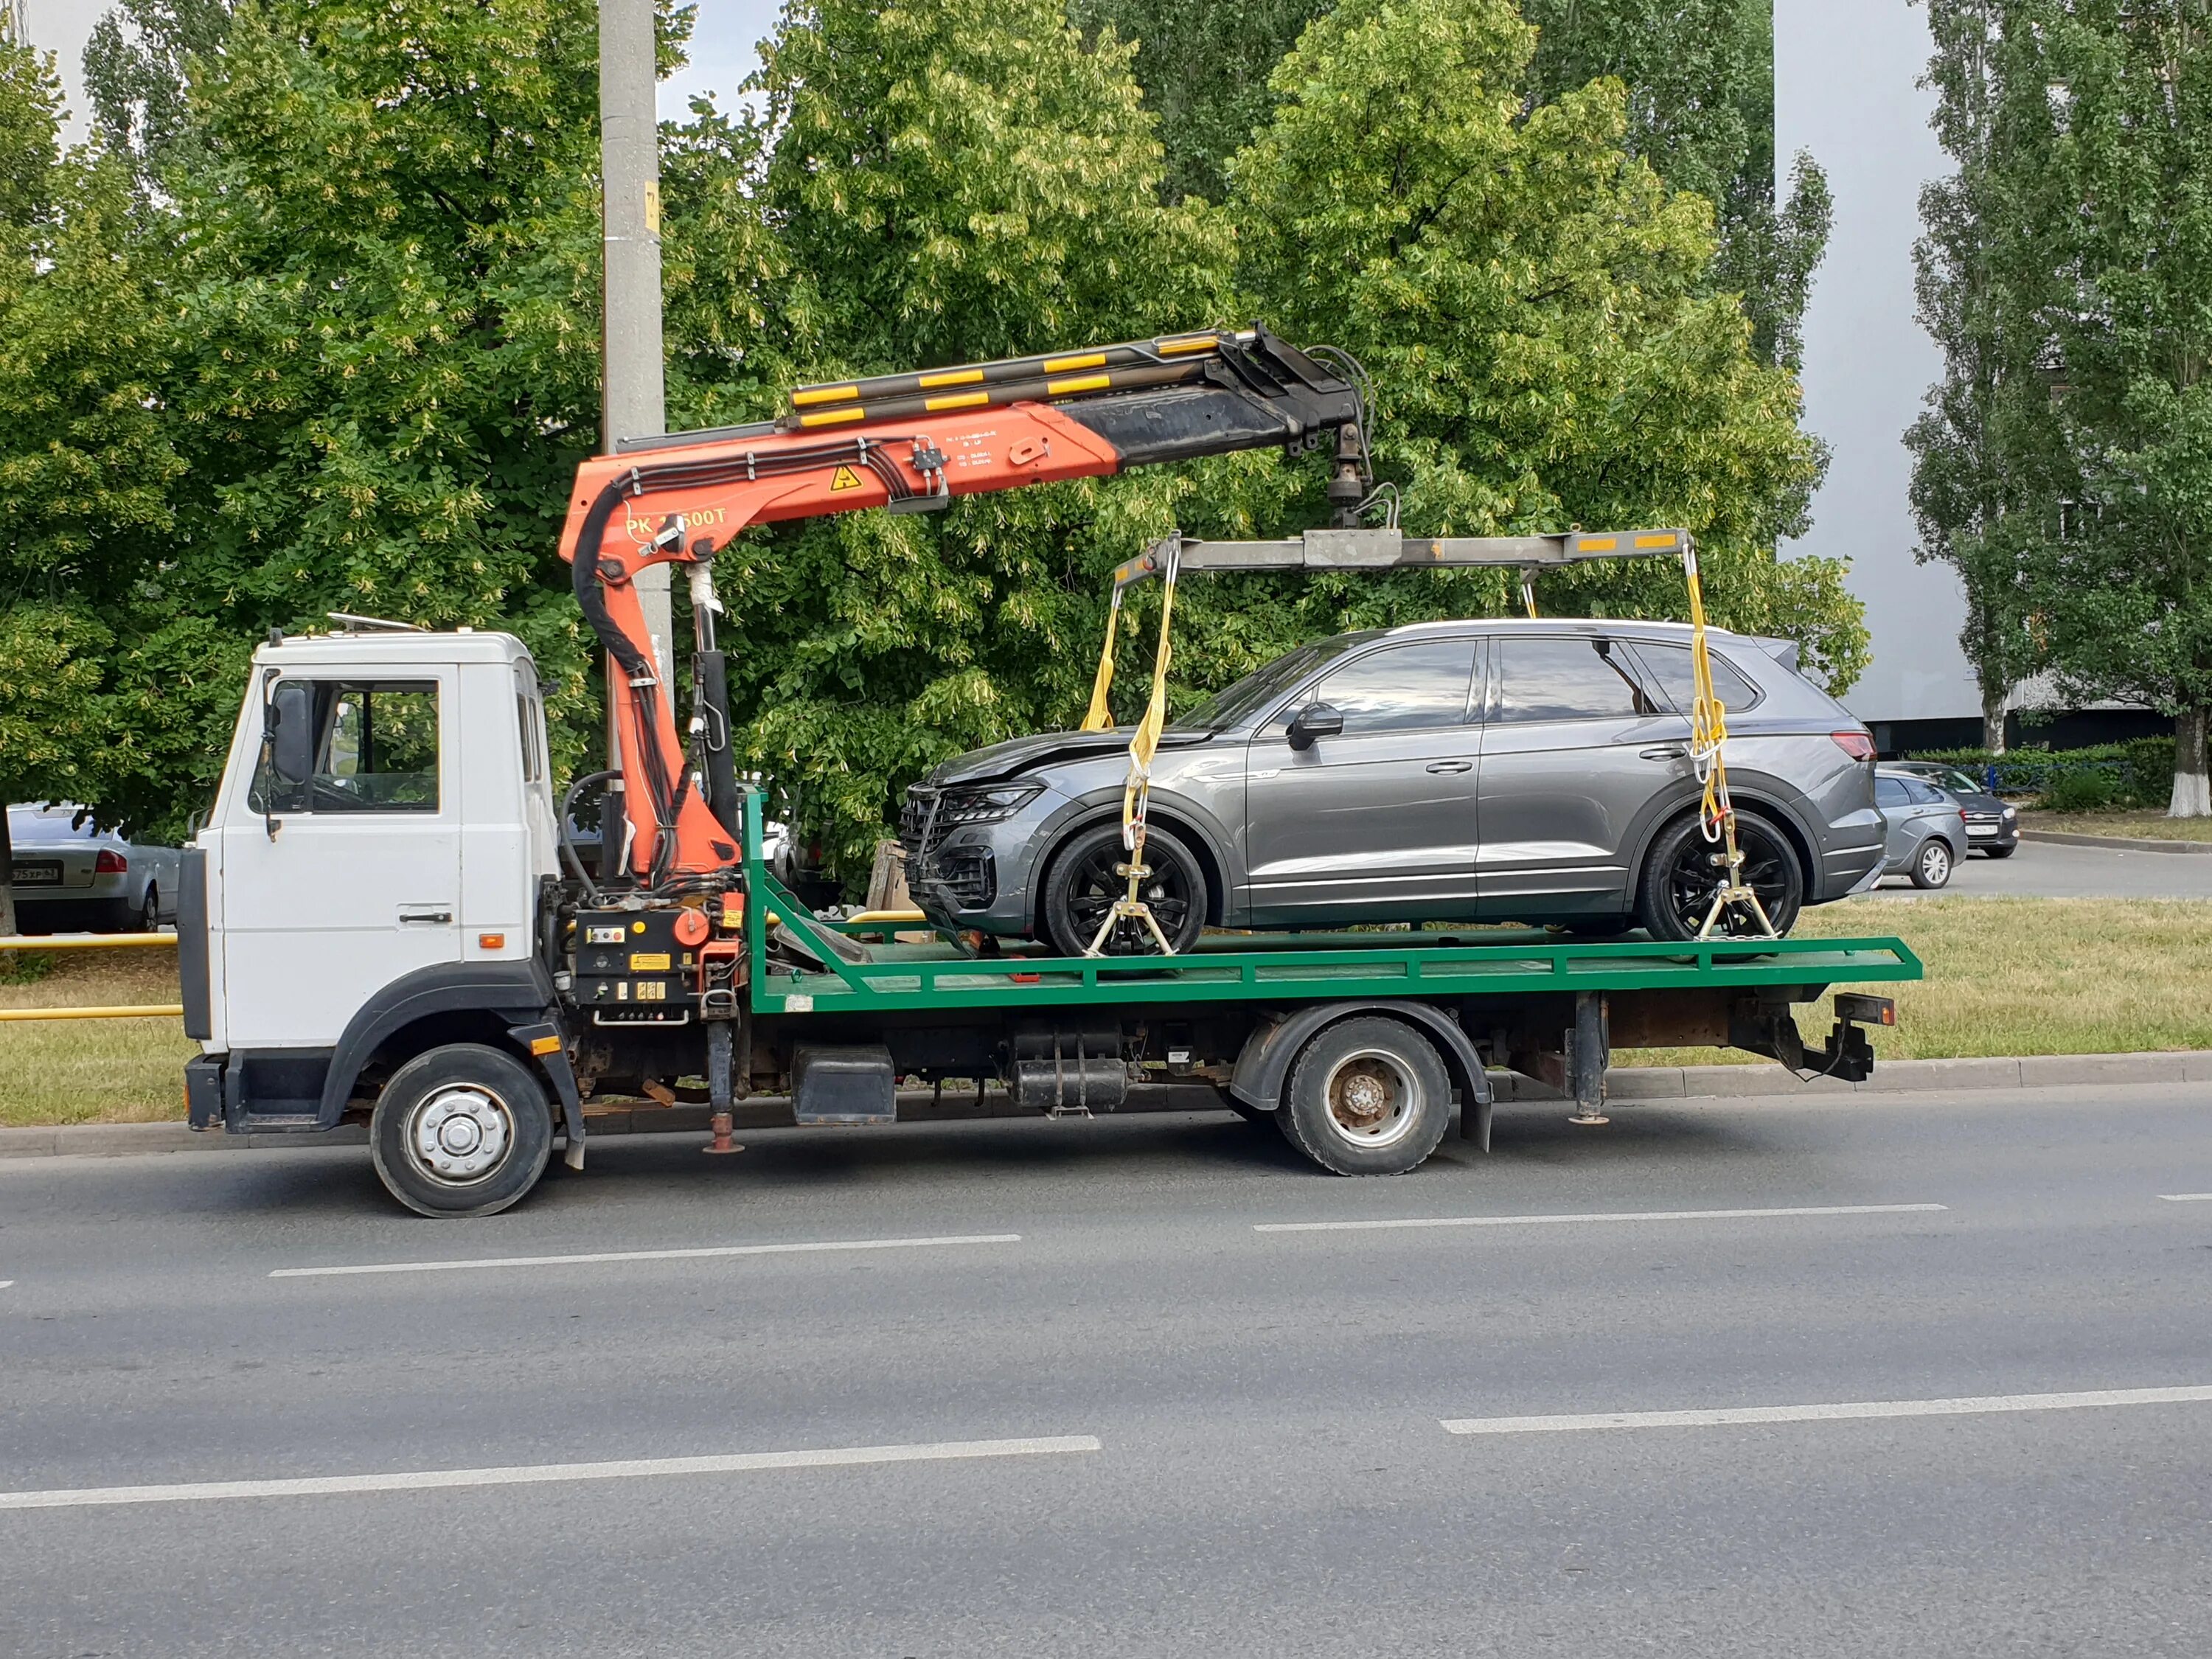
(844, 478)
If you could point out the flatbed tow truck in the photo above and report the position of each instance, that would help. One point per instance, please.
(379, 923)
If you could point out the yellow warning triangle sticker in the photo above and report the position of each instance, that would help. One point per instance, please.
(846, 478)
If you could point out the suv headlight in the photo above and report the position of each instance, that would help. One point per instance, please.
(984, 806)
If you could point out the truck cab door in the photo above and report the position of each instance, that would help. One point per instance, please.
(341, 862)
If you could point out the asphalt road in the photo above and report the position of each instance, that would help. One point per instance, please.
(1272, 1472)
(2046, 869)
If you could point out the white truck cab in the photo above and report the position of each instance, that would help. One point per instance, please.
(384, 828)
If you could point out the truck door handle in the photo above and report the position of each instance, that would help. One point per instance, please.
(1664, 752)
(1451, 766)
(433, 917)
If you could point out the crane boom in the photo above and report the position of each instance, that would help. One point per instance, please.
(911, 443)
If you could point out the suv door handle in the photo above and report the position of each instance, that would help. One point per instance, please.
(1664, 752)
(433, 917)
(1451, 766)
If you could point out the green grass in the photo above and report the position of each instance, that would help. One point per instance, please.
(2005, 976)
(2132, 826)
(2023, 976)
(94, 1071)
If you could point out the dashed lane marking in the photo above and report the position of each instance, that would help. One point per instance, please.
(698, 1254)
(1968, 1406)
(542, 1473)
(1564, 1220)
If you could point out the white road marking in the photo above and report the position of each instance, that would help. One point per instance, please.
(2187, 1198)
(1972, 1405)
(539, 1474)
(1626, 1215)
(5, 1283)
(642, 1255)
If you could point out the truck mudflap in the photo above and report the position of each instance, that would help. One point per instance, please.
(544, 1043)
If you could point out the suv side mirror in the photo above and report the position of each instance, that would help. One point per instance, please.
(1316, 720)
(288, 728)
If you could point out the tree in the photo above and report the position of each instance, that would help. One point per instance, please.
(388, 320)
(86, 461)
(947, 179)
(1982, 447)
(138, 65)
(2104, 123)
(1204, 67)
(1534, 305)
(1700, 80)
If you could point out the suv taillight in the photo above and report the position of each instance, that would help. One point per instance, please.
(111, 862)
(1857, 745)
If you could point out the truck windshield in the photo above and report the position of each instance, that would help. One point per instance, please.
(1243, 698)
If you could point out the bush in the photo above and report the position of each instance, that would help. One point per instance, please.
(2136, 773)
(2080, 789)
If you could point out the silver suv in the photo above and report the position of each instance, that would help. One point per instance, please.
(1498, 771)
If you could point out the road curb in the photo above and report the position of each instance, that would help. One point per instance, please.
(1627, 1084)
(2120, 843)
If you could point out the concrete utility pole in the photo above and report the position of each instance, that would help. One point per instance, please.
(630, 165)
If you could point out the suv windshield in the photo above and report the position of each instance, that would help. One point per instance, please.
(1259, 688)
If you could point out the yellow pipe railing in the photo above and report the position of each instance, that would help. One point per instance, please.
(92, 942)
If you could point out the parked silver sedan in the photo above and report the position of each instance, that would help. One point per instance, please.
(1927, 828)
(70, 876)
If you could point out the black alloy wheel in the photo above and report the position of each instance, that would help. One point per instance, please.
(1083, 882)
(1685, 872)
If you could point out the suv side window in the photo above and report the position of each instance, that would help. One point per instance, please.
(375, 749)
(1568, 679)
(1670, 666)
(1399, 688)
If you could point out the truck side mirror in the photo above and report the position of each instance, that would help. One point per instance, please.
(289, 729)
(1316, 720)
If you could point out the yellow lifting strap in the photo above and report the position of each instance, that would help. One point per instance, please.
(1144, 744)
(1708, 741)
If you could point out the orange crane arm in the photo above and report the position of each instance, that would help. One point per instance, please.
(912, 443)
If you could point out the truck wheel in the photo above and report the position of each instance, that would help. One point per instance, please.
(1367, 1097)
(460, 1131)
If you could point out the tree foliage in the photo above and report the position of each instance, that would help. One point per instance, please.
(350, 356)
(2085, 171)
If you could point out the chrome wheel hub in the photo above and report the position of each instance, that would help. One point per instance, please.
(460, 1135)
(1373, 1100)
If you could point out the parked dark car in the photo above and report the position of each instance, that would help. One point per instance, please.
(1992, 825)
(1926, 828)
(70, 876)
(1498, 771)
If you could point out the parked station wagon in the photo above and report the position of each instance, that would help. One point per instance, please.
(1499, 770)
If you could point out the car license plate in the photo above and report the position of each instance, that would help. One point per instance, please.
(1981, 829)
(44, 872)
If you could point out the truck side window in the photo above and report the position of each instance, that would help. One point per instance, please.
(376, 748)
(533, 749)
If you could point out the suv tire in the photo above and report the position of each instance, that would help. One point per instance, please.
(1080, 885)
(1678, 879)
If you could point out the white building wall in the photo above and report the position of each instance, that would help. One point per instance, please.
(1846, 88)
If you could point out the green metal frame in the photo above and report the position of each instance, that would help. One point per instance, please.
(1273, 967)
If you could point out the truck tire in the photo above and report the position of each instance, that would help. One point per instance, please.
(464, 1130)
(1367, 1097)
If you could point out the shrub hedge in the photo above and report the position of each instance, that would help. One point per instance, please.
(2137, 773)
